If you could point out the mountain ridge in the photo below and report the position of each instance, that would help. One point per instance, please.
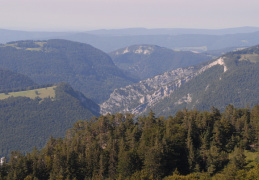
(146, 61)
(196, 89)
(111, 40)
(172, 31)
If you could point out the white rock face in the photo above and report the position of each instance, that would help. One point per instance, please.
(125, 51)
(2, 161)
(187, 99)
(139, 97)
(219, 61)
(143, 49)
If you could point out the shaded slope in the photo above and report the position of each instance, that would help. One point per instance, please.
(86, 68)
(12, 80)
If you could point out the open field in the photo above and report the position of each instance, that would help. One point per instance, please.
(15, 45)
(250, 57)
(41, 93)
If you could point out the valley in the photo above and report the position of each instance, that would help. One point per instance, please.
(215, 83)
(148, 109)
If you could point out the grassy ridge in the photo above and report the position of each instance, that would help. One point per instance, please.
(48, 92)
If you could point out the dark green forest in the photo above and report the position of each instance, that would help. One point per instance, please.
(26, 122)
(12, 80)
(190, 145)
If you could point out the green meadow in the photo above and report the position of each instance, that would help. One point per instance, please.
(48, 92)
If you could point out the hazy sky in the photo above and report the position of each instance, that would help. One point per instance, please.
(108, 14)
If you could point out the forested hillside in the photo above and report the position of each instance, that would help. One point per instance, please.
(11, 80)
(86, 68)
(146, 61)
(33, 116)
(234, 81)
(199, 144)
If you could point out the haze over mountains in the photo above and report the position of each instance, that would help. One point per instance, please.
(146, 61)
(171, 31)
(186, 39)
(16, 35)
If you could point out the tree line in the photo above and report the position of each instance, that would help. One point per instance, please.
(190, 145)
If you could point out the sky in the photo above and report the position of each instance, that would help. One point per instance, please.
(82, 15)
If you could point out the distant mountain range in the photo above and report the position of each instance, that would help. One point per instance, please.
(86, 68)
(16, 35)
(171, 31)
(176, 38)
(193, 42)
(229, 79)
(146, 61)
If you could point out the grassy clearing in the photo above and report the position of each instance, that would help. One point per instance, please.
(34, 49)
(11, 45)
(41, 93)
(15, 45)
(250, 57)
(41, 44)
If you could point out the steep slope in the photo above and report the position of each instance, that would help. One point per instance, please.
(86, 68)
(230, 79)
(146, 61)
(12, 80)
(28, 120)
(139, 97)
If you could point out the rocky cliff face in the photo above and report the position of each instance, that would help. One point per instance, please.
(142, 96)
(230, 79)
